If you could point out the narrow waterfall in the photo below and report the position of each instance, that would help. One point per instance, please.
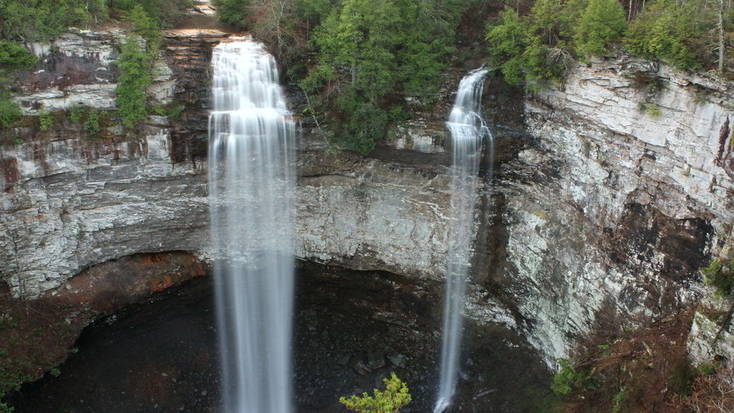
(467, 129)
(251, 191)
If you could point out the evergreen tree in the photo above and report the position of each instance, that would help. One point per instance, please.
(507, 41)
(521, 54)
(232, 12)
(674, 33)
(373, 52)
(602, 24)
(135, 77)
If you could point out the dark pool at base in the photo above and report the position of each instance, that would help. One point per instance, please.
(352, 329)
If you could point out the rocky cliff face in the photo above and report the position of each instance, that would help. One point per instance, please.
(617, 201)
(71, 201)
(601, 214)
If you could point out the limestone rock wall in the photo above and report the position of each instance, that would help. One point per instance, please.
(611, 207)
(598, 215)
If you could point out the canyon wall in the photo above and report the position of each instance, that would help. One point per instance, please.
(71, 200)
(623, 193)
(599, 213)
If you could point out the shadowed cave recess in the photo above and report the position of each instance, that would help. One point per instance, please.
(351, 330)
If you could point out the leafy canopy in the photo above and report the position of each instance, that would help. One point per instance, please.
(671, 31)
(373, 53)
(517, 47)
(232, 12)
(601, 24)
(38, 20)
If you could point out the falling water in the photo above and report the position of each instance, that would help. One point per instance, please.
(251, 187)
(467, 129)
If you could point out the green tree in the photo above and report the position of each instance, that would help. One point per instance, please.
(521, 54)
(672, 32)
(135, 77)
(373, 53)
(232, 12)
(602, 24)
(395, 397)
(507, 40)
(38, 20)
(545, 20)
(147, 27)
(14, 57)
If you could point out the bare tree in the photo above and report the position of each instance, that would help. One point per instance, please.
(722, 43)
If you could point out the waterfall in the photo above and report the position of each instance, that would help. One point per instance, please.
(467, 128)
(251, 191)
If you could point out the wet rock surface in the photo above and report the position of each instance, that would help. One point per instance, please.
(352, 329)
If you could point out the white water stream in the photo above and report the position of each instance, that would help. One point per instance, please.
(251, 192)
(467, 129)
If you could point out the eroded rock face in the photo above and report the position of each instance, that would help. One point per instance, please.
(599, 216)
(43, 330)
(614, 209)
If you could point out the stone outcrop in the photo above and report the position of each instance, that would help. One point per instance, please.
(612, 207)
(71, 201)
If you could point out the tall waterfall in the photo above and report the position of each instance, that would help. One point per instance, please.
(467, 128)
(251, 191)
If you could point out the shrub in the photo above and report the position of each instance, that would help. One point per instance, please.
(76, 114)
(172, 111)
(9, 110)
(618, 401)
(569, 379)
(601, 24)
(654, 111)
(45, 120)
(14, 56)
(719, 276)
(92, 124)
(391, 400)
(564, 379)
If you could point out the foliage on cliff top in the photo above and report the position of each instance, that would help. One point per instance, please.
(533, 49)
(358, 60)
(163, 12)
(674, 32)
(601, 24)
(38, 20)
(371, 55)
(395, 397)
(233, 12)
